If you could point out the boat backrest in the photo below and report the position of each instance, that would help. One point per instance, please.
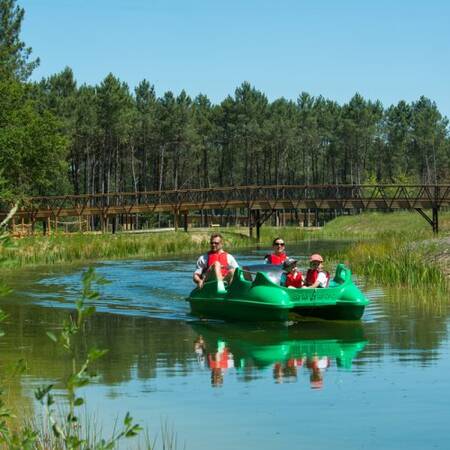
(273, 272)
(342, 274)
(264, 279)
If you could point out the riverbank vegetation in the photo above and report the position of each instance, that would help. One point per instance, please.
(396, 249)
(90, 247)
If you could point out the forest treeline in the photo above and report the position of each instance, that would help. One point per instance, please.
(57, 136)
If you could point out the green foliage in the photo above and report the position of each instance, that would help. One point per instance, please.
(32, 150)
(79, 247)
(393, 261)
(26, 438)
(14, 54)
(67, 430)
(395, 249)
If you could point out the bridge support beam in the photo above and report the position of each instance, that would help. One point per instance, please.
(175, 219)
(258, 225)
(185, 222)
(250, 223)
(433, 221)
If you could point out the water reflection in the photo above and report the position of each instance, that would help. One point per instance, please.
(313, 346)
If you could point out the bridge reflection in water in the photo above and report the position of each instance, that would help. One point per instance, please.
(313, 346)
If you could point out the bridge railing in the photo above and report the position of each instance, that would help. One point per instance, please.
(384, 195)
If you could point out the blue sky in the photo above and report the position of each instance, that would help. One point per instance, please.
(387, 50)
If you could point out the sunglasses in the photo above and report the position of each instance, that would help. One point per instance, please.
(215, 242)
(282, 244)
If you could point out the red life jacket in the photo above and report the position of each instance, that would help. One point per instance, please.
(294, 279)
(222, 257)
(311, 277)
(276, 259)
(219, 360)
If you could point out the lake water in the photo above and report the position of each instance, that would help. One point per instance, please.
(382, 383)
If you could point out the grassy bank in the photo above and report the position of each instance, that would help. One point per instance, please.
(72, 248)
(396, 249)
(377, 224)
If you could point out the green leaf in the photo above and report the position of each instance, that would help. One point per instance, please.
(127, 421)
(52, 336)
(56, 430)
(40, 393)
(89, 311)
(78, 401)
(95, 353)
(72, 418)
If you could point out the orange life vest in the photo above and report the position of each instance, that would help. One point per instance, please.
(276, 259)
(311, 277)
(222, 257)
(219, 360)
(294, 279)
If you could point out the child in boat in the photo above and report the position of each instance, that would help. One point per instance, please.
(316, 277)
(291, 277)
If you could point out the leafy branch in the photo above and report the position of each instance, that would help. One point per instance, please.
(67, 429)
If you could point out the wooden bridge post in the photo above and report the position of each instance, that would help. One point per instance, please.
(258, 225)
(185, 221)
(435, 223)
(250, 223)
(175, 219)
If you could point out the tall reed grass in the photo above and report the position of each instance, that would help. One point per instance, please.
(395, 260)
(93, 435)
(67, 249)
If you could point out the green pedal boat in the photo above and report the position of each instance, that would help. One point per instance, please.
(255, 294)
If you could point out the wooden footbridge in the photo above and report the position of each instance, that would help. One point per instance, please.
(260, 202)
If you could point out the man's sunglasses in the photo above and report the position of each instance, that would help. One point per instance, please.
(215, 242)
(280, 243)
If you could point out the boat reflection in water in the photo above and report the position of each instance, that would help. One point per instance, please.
(314, 346)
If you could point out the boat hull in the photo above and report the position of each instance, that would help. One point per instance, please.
(329, 312)
(241, 311)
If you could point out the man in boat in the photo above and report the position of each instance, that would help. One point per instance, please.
(316, 277)
(291, 277)
(222, 263)
(279, 252)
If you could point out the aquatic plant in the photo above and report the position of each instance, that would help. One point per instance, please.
(66, 429)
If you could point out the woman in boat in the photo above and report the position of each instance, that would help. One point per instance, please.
(316, 277)
(218, 260)
(279, 252)
(291, 277)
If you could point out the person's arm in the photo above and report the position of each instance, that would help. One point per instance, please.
(232, 263)
(322, 280)
(199, 271)
(232, 266)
